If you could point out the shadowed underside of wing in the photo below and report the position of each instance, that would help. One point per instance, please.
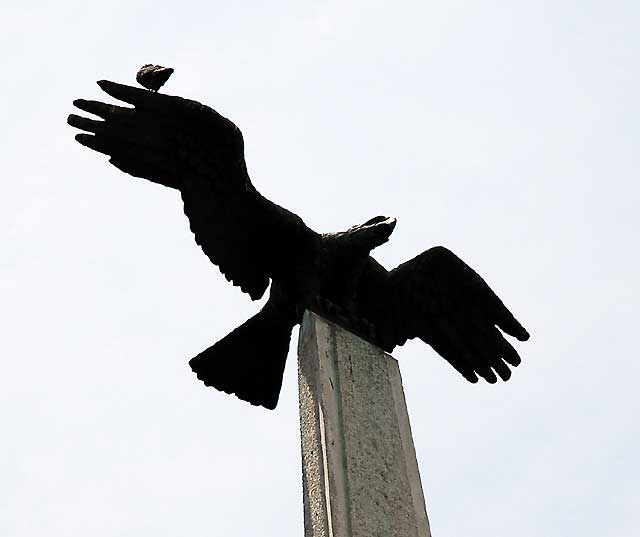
(229, 232)
(224, 210)
(441, 300)
(248, 237)
(183, 144)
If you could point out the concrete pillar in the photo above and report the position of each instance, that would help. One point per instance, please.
(360, 474)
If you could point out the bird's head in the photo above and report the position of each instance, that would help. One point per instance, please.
(383, 225)
(373, 232)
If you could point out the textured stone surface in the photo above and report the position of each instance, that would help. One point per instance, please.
(360, 474)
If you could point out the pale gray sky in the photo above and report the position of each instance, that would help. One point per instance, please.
(505, 130)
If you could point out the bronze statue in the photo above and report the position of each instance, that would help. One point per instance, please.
(436, 297)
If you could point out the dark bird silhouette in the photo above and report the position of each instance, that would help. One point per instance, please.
(153, 77)
(436, 297)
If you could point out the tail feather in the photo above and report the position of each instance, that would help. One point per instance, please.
(249, 362)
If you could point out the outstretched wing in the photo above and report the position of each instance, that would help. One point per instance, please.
(185, 145)
(438, 298)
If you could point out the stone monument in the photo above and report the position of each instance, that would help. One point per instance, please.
(361, 476)
(360, 473)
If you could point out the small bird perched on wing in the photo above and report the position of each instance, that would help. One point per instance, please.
(152, 76)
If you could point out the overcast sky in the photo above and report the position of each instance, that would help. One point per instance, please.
(505, 130)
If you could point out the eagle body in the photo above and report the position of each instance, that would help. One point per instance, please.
(258, 245)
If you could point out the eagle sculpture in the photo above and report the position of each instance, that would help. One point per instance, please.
(436, 297)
